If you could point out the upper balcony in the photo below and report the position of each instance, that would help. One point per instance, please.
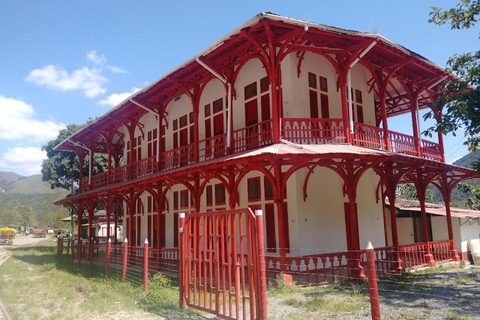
(295, 130)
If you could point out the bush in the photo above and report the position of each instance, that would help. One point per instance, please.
(160, 293)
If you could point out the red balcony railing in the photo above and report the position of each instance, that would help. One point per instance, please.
(253, 136)
(177, 157)
(296, 130)
(313, 131)
(212, 147)
(368, 136)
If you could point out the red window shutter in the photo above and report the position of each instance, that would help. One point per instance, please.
(359, 114)
(270, 227)
(265, 101)
(313, 104)
(139, 230)
(175, 230)
(324, 106)
(286, 228)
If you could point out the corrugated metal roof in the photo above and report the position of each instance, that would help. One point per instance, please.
(437, 209)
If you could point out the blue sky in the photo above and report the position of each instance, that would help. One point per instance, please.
(62, 62)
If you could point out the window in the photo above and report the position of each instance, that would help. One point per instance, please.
(318, 94)
(152, 143)
(254, 191)
(219, 194)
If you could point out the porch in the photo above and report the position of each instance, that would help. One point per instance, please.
(294, 130)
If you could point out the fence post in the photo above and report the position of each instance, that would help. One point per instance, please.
(262, 274)
(68, 248)
(73, 252)
(90, 253)
(125, 259)
(109, 247)
(79, 253)
(372, 283)
(180, 260)
(145, 266)
(60, 247)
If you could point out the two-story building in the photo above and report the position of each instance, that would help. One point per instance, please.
(282, 115)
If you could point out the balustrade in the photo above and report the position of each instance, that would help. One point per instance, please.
(295, 130)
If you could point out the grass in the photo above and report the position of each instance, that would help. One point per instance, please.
(326, 301)
(35, 284)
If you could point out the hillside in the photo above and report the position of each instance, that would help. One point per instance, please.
(35, 194)
(7, 179)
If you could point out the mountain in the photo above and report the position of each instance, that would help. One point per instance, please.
(33, 194)
(7, 179)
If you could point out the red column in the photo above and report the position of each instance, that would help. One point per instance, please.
(145, 266)
(90, 239)
(386, 136)
(79, 239)
(393, 220)
(125, 260)
(109, 248)
(428, 255)
(181, 265)
(273, 78)
(262, 274)
(372, 283)
(453, 250)
(416, 129)
(346, 118)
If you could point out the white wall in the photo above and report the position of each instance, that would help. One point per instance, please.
(439, 228)
(470, 230)
(405, 231)
(370, 212)
(317, 225)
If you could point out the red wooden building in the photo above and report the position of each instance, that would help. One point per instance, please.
(282, 115)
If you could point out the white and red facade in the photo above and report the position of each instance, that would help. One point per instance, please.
(281, 115)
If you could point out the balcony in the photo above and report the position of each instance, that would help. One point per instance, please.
(295, 130)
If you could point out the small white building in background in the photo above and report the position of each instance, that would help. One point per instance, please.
(465, 223)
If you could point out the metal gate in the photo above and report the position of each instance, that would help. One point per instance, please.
(222, 269)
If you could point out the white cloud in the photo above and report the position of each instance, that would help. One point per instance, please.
(116, 69)
(18, 122)
(88, 80)
(116, 98)
(98, 59)
(25, 160)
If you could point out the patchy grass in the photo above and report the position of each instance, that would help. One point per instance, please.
(328, 301)
(34, 284)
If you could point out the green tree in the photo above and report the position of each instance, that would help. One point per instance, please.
(27, 215)
(409, 192)
(9, 217)
(473, 193)
(61, 168)
(459, 103)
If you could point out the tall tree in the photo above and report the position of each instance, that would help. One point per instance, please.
(61, 168)
(458, 106)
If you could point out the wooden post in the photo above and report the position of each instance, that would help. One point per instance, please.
(262, 274)
(181, 260)
(125, 259)
(79, 252)
(109, 247)
(145, 266)
(372, 283)
(73, 252)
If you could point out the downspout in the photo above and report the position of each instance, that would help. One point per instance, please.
(229, 97)
(349, 84)
(158, 119)
(90, 163)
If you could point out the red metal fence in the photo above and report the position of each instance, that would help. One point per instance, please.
(222, 270)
